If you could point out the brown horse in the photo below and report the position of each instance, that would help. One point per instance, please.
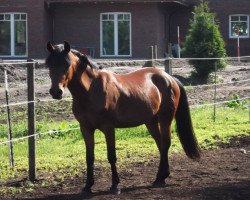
(105, 101)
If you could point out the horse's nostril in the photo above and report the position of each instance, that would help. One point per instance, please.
(51, 92)
(56, 93)
(60, 92)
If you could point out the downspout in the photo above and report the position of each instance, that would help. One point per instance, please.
(51, 11)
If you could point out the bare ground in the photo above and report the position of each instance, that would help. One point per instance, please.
(220, 174)
(231, 78)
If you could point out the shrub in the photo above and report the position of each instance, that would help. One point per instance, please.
(204, 40)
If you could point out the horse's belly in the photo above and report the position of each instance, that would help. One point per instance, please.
(128, 123)
(133, 117)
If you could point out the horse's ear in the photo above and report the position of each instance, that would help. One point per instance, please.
(50, 47)
(66, 47)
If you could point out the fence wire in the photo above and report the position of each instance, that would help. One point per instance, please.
(38, 101)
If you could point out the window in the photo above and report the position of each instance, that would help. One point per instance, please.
(115, 34)
(239, 24)
(13, 34)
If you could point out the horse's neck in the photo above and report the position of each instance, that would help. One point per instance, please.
(80, 83)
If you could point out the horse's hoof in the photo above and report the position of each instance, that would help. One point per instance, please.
(159, 183)
(115, 190)
(87, 191)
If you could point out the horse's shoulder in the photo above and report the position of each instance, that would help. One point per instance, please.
(107, 77)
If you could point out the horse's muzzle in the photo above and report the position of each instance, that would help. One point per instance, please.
(56, 93)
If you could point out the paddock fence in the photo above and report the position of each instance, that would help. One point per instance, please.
(24, 97)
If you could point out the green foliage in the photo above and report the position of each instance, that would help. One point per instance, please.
(204, 40)
(237, 103)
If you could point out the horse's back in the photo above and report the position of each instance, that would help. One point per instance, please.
(134, 98)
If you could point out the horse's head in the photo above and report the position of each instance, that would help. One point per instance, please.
(62, 63)
(58, 63)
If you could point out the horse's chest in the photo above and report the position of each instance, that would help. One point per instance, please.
(91, 117)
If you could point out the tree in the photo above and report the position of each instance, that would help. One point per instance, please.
(204, 40)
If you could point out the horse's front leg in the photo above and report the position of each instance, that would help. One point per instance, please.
(88, 136)
(110, 140)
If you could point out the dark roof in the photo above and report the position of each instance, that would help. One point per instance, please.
(184, 2)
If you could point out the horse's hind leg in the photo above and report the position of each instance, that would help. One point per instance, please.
(154, 130)
(110, 140)
(165, 118)
(163, 171)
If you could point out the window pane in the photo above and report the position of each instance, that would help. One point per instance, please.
(127, 17)
(16, 16)
(7, 17)
(5, 38)
(23, 16)
(120, 16)
(111, 16)
(234, 18)
(108, 37)
(123, 38)
(239, 26)
(1, 17)
(243, 18)
(20, 37)
(104, 17)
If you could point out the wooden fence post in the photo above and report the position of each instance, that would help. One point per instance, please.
(31, 120)
(150, 63)
(168, 62)
(156, 52)
(152, 56)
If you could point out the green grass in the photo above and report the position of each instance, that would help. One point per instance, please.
(62, 154)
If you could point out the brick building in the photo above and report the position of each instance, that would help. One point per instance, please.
(117, 28)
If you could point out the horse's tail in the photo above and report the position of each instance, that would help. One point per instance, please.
(184, 126)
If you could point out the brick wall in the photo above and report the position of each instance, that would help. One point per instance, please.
(152, 24)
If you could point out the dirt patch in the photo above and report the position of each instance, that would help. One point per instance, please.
(14, 73)
(181, 69)
(196, 95)
(220, 174)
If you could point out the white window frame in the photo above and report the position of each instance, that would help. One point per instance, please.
(230, 26)
(116, 53)
(12, 35)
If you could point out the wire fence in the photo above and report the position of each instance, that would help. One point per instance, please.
(17, 90)
(41, 80)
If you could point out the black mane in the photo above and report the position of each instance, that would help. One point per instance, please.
(58, 57)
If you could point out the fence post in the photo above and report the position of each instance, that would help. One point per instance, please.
(152, 55)
(11, 154)
(150, 62)
(238, 45)
(31, 120)
(179, 42)
(168, 62)
(156, 52)
(215, 88)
